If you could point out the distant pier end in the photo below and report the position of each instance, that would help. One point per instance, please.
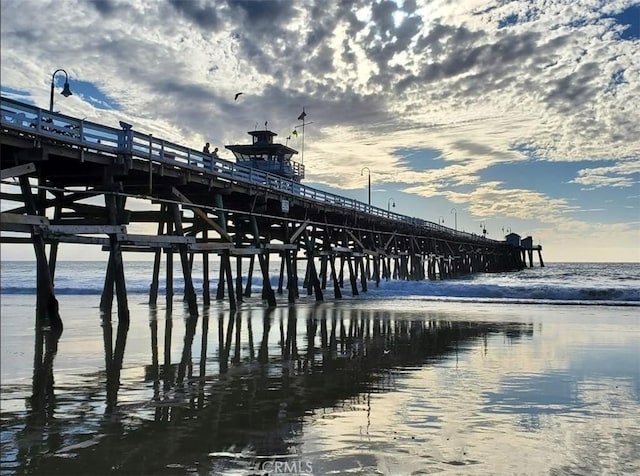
(526, 247)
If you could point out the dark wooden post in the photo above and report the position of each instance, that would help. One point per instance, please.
(291, 291)
(363, 273)
(314, 282)
(247, 289)
(337, 292)
(323, 271)
(189, 290)
(281, 275)
(114, 205)
(169, 271)
(225, 266)
(263, 260)
(46, 302)
(206, 292)
(220, 288)
(153, 292)
(106, 299)
(53, 251)
(239, 294)
(352, 277)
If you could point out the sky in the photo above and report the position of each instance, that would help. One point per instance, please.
(518, 116)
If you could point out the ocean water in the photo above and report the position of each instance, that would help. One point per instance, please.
(534, 372)
(574, 283)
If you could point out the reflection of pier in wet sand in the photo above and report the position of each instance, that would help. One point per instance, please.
(242, 381)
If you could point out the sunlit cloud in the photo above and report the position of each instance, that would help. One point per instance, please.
(483, 84)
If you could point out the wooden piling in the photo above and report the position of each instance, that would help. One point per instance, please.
(189, 290)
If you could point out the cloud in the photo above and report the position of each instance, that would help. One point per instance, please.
(106, 8)
(469, 80)
(621, 174)
(203, 15)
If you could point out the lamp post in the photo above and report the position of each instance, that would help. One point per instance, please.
(484, 230)
(369, 174)
(440, 220)
(389, 202)
(455, 218)
(66, 92)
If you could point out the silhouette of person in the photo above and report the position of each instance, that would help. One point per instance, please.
(205, 149)
(215, 153)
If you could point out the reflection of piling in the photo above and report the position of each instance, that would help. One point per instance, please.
(113, 359)
(43, 401)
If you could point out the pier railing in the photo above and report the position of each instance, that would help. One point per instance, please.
(101, 139)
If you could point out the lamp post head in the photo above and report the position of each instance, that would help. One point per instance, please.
(66, 91)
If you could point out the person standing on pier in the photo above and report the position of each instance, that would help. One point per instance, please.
(215, 153)
(205, 149)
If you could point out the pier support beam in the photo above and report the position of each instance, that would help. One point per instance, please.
(189, 290)
(153, 291)
(46, 303)
(115, 276)
(263, 259)
(206, 292)
(314, 282)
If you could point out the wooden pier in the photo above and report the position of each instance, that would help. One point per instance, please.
(80, 182)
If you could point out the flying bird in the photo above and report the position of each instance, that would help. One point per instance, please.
(237, 96)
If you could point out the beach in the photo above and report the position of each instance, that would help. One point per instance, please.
(381, 384)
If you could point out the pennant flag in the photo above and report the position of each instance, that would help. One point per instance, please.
(294, 133)
(302, 116)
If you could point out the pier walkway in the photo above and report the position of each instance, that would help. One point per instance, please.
(83, 182)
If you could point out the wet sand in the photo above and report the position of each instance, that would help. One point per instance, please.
(358, 386)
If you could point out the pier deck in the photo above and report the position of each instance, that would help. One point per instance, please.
(82, 182)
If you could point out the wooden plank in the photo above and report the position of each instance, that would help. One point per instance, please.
(14, 218)
(151, 248)
(157, 239)
(198, 211)
(18, 171)
(85, 240)
(342, 249)
(245, 251)
(26, 240)
(21, 223)
(279, 247)
(138, 249)
(48, 238)
(300, 229)
(386, 245)
(211, 246)
(355, 238)
(87, 229)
